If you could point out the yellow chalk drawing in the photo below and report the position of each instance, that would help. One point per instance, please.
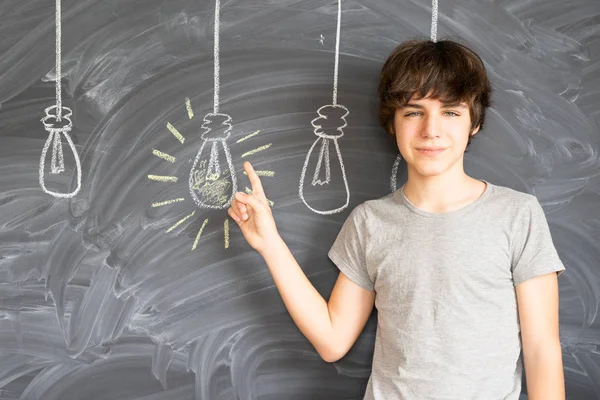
(212, 188)
(167, 202)
(261, 148)
(199, 234)
(181, 221)
(162, 178)
(175, 132)
(263, 173)
(248, 137)
(164, 156)
(188, 106)
(226, 232)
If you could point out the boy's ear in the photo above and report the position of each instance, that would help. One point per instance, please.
(475, 130)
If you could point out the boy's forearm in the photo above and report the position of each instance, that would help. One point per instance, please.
(305, 304)
(544, 372)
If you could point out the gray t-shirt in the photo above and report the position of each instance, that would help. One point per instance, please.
(448, 324)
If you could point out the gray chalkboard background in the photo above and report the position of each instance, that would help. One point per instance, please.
(99, 301)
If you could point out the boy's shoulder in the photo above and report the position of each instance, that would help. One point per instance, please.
(499, 197)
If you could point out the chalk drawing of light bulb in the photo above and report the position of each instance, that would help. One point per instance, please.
(58, 123)
(212, 181)
(320, 166)
(212, 186)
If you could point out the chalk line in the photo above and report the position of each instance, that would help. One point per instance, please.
(181, 221)
(164, 156)
(258, 149)
(58, 60)
(263, 173)
(175, 132)
(199, 234)
(434, 20)
(249, 136)
(393, 177)
(162, 178)
(337, 53)
(216, 55)
(167, 202)
(226, 232)
(188, 106)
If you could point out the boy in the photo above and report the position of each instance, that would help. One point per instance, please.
(463, 272)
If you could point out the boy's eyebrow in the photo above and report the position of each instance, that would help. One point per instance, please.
(445, 105)
(455, 104)
(413, 105)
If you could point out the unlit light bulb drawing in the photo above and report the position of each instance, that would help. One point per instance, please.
(210, 185)
(58, 123)
(317, 171)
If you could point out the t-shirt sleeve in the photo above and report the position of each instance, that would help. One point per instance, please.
(348, 250)
(534, 253)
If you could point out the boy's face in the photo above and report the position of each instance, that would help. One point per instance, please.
(428, 123)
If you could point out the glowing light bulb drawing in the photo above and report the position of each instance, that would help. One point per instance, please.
(211, 186)
(58, 122)
(212, 181)
(328, 127)
(434, 20)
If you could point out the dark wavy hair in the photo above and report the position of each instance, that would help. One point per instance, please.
(446, 70)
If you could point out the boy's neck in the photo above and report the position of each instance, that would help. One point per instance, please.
(443, 193)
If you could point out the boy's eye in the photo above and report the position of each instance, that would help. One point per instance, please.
(412, 114)
(451, 113)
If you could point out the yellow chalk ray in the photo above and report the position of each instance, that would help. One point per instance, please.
(199, 234)
(175, 132)
(181, 221)
(162, 178)
(164, 156)
(249, 136)
(263, 173)
(261, 148)
(167, 202)
(188, 106)
(226, 232)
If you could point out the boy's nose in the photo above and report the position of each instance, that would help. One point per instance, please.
(432, 126)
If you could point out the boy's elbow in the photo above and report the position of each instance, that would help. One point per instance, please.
(332, 354)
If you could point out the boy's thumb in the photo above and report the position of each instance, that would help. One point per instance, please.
(250, 200)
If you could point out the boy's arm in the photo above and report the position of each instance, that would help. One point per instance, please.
(537, 300)
(332, 327)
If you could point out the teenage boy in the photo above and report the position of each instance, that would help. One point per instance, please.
(463, 272)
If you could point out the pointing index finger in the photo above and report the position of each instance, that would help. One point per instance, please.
(257, 188)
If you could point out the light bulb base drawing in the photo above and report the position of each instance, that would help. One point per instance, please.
(324, 168)
(58, 123)
(394, 175)
(212, 181)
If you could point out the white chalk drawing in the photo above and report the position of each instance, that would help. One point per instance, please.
(434, 20)
(212, 181)
(327, 138)
(58, 123)
(209, 185)
(394, 176)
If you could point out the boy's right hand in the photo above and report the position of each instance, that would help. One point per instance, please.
(253, 215)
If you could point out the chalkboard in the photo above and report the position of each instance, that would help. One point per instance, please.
(121, 276)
